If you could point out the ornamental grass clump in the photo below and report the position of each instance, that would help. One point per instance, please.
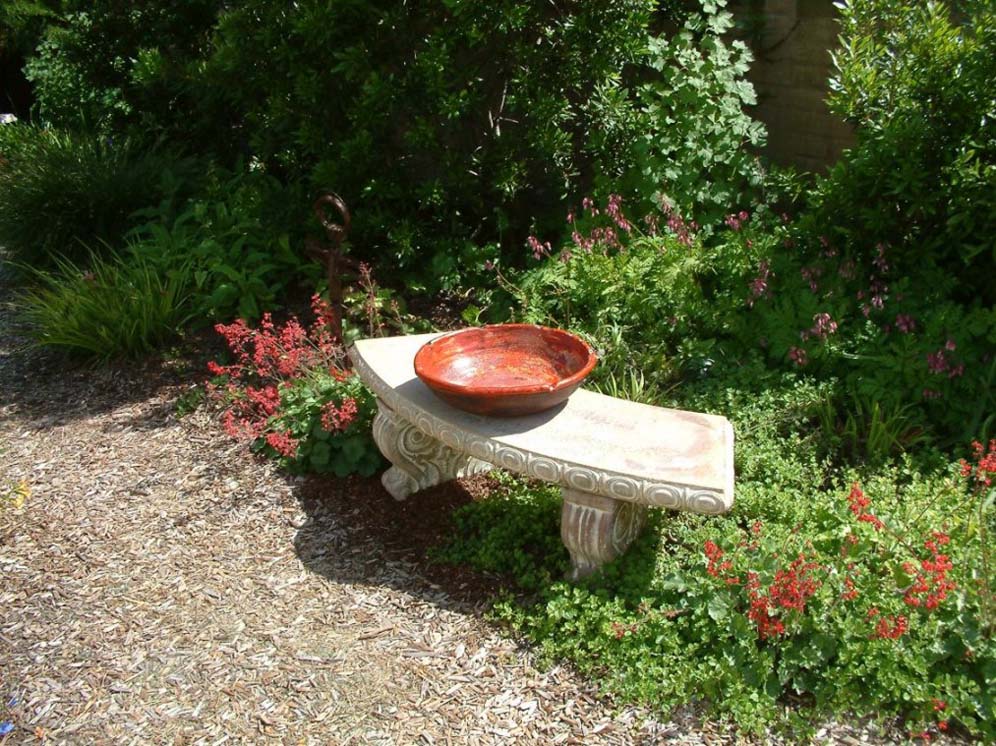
(288, 392)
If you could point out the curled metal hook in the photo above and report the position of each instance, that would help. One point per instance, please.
(325, 207)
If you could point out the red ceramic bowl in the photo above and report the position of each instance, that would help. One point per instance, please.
(504, 370)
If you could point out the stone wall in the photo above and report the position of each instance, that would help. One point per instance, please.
(792, 41)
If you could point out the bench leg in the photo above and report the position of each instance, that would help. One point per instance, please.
(418, 460)
(597, 529)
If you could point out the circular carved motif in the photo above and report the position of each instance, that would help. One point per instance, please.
(482, 449)
(705, 502)
(511, 458)
(664, 496)
(543, 468)
(622, 488)
(582, 479)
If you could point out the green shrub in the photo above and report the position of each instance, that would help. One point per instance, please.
(241, 235)
(922, 177)
(655, 301)
(116, 305)
(65, 195)
(821, 593)
(694, 146)
(107, 66)
(448, 126)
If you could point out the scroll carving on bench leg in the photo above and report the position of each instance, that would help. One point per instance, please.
(597, 529)
(417, 460)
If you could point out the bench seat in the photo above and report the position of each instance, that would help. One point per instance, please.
(612, 457)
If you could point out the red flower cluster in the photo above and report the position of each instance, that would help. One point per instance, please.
(793, 585)
(768, 626)
(859, 506)
(930, 582)
(890, 627)
(851, 593)
(266, 359)
(283, 443)
(718, 567)
(981, 472)
(336, 419)
(791, 588)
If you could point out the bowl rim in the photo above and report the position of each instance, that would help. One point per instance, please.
(573, 380)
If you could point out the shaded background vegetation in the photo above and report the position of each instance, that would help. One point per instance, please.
(589, 165)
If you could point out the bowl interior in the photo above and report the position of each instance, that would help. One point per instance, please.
(504, 357)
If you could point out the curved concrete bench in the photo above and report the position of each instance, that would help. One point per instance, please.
(612, 457)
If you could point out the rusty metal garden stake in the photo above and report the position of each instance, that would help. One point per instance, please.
(331, 255)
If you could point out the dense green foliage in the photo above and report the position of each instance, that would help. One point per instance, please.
(232, 234)
(66, 195)
(118, 305)
(922, 178)
(119, 68)
(799, 594)
(449, 126)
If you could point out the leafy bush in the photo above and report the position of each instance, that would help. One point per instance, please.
(922, 178)
(663, 303)
(106, 66)
(655, 300)
(66, 195)
(288, 394)
(118, 305)
(450, 123)
(449, 126)
(841, 593)
(241, 236)
(695, 148)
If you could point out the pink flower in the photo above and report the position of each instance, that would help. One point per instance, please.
(540, 250)
(936, 362)
(905, 323)
(798, 356)
(614, 211)
(823, 326)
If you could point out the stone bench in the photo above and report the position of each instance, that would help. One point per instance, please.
(612, 458)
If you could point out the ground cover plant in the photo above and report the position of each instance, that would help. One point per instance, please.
(823, 592)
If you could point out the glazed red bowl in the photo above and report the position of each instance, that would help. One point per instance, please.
(504, 370)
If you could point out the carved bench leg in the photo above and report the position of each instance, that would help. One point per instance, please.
(418, 460)
(597, 529)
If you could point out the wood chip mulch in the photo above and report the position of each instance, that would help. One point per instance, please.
(160, 585)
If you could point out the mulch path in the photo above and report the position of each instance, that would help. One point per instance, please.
(160, 585)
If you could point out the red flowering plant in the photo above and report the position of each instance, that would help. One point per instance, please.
(288, 393)
(880, 592)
